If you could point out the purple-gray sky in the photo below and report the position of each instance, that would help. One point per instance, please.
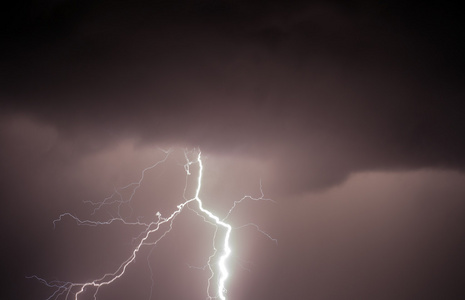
(348, 111)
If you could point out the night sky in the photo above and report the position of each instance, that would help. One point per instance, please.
(349, 113)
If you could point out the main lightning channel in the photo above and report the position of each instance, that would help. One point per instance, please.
(226, 249)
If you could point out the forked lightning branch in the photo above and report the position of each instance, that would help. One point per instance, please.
(218, 258)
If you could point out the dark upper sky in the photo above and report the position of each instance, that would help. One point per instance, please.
(320, 99)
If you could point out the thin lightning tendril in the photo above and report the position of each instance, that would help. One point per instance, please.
(64, 289)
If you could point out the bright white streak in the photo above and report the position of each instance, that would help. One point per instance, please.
(226, 249)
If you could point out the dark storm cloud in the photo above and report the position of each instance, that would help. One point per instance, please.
(321, 88)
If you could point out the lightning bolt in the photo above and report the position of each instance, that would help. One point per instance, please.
(65, 289)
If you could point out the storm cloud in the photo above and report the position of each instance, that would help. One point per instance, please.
(320, 84)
